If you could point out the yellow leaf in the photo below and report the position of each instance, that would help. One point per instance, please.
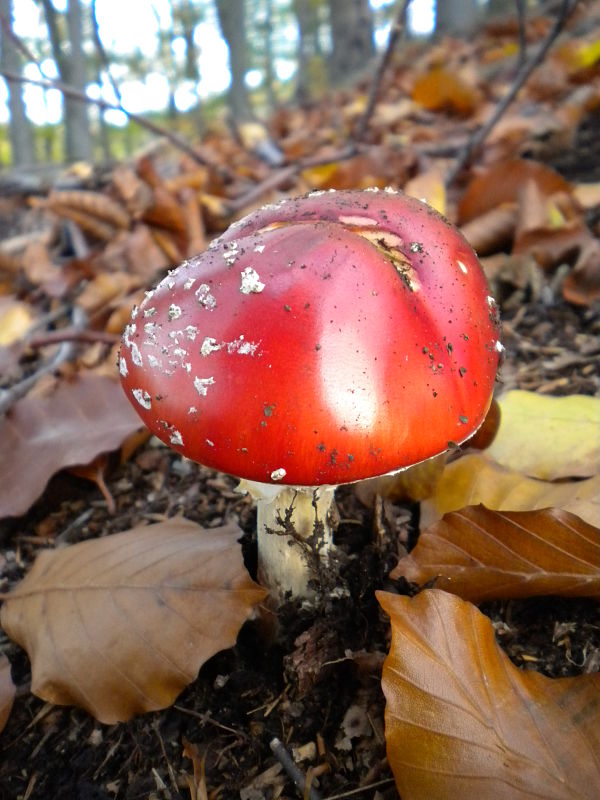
(15, 320)
(429, 186)
(475, 479)
(548, 437)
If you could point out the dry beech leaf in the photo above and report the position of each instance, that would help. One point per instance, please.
(414, 483)
(548, 437)
(492, 231)
(487, 555)
(120, 625)
(7, 691)
(503, 183)
(476, 478)
(582, 285)
(40, 435)
(462, 721)
(441, 89)
(429, 187)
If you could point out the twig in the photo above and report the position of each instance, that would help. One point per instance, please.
(196, 153)
(294, 772)
(71, 334)
(102, 53)
(8, 397)
(361, 789)
(477, 139)
(395, 32)
(522, 32)
(275, 180)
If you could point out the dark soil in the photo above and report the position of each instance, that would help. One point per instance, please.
(315, 682)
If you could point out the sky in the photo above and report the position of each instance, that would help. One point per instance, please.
(152, 93)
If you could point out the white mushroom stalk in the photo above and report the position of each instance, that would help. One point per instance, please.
(294, 535)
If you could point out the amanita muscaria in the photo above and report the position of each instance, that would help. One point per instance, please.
(318, 341)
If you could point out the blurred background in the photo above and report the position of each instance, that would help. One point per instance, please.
(186, 64)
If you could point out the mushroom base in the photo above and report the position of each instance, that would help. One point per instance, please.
(294, 535)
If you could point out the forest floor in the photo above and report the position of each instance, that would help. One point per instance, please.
(311, 676)
(315, 681)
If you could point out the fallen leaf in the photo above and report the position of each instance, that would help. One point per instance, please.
(41, 435)
(443, 90)
(488, 430)
(492, 231)
(503, 183)
(480, 555)
(15, 320)
(414, 483)
(120, 625)
(475, 478)
(462, 721)
(429, 187)
(548, 437)
(7, 691)
(582, 284)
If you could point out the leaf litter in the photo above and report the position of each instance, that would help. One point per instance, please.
(248, 694)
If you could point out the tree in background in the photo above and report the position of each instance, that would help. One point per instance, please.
(21, 139)
(66, 38)
(309, 51)
(456, 17)
(232, 21)
(352, 37)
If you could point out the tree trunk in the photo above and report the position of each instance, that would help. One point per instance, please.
(456, 17)
(72, 70)
(308, 52)
(20, 134)
(352, 37)
(232, 22)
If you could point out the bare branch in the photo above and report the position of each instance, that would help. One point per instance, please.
(395, 32)
(196, 153)
(480, 135)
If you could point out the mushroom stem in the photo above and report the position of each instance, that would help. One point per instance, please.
(293, 534)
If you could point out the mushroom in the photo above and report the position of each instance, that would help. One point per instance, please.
(322, 340)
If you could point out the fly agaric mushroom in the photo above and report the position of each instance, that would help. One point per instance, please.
(318, 341)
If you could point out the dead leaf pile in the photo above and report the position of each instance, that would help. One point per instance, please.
(118, 625)
(498, 525)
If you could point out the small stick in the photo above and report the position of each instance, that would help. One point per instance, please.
(361, 789)
(522, 32)
(475, 141)
(71, 334)
(196, 153)
(275, 180)
(294, 772)
(395, 31)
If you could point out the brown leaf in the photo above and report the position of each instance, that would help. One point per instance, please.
(582, 284)
(443, 90)
(486, 555)
(7, 691)
(41, 435)
(503, 182)
(120, 625)
(462, 721)
(493, 230)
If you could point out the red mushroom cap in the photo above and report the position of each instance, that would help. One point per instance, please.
(321, 340)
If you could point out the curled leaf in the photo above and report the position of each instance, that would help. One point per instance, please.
(462, 721)
(480, 555)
